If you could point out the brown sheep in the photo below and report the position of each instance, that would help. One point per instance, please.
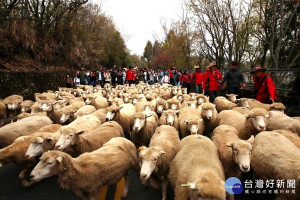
(86, 174)
(173, 104)
(275, 157)
(275, 106)
(143, 127)
(251, 124)
(68, 112)
(26, 106)
(200, 173)
(98, 102)
(236, 158)
(201, 98)
(54, 114)
(13, 105)
(15, 152)
(101, 114)
(159, 106)
(169, 117)
(155, 160)
(88, 141)
(22, 127)
(209, 115)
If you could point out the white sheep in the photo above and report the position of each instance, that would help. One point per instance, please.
(87, 141)
(196, 170)
(143, 127)
(169, 117)
(275, 157)
(251, 124)
(209, 115)
(156, 159)
(68, 112)
(86, 174)
(279, 120)
(85, 110)
(22, 127)
(235, 154)
(98, 102)
(190, 122)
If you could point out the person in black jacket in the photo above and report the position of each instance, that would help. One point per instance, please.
(234, 78)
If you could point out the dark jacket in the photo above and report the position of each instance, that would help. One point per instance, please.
(234, 78)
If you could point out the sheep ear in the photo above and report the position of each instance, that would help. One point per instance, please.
(59, 159)
(229, 144)
(120, 108)
(49, 139)
(177, 111)
(162, 152)
(200, 120)
(78, 133)
(228, 95)
(267, 116)
(141, 148)
(189, 185)
(251, 139)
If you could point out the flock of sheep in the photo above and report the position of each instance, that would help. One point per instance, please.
(91, 137)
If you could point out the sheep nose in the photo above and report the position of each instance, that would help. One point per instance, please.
(245, 167)
(106, 119)
(170, 123)
(26, 156)
(136, 128)
(31, 176)
(262, 127)
(57, 146)
(143, 176)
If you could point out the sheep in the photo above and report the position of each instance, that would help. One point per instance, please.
(236, 159)
(173, 104)
(275, 106)
(26, 106)
(84, 110)
(197, 171)
(166, 94)
(36, 107)
(232, 97)
(24, 115)
(293, 137)
(149, 96)
(243, 102)
(123, 115)
(169, 117)
(279, 120)
(89, 141)
(186, 97)
(190, 122)
(45, 96)
(192, 104)
(22, 127)
(2, 113)
(73, 100)
(15, 152)
(101, 114)
(86, 174)
(99, 102)
(155, 160)
(223, 104)
(193, 96)
(127, 98)
(54, 114)
(275, 157)
(160, 105)
(64, 95)
(200, 98)
(251, 124)
(209, 115)
(242, 110)
(179, 97)
(117, 101)
(13, 104)
(143, 127)
(68, 111)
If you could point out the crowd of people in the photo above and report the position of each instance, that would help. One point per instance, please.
(209, 82)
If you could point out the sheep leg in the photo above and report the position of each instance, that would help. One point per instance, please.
(165, 188)
(126, 185)
(25, 183)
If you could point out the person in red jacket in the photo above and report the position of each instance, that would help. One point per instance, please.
(186, 78)
(211, 81)
(197, 78)
(130, 76)
(263, 85)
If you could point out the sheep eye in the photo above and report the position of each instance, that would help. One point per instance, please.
(40, 143)
(155, 159)
(71, 135)
(49, 163)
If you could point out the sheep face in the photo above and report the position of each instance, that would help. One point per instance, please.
(148, 160)
(232, 97)
(200, 101)
(259, 122)
(126, 98)
(241, 153)
(174, 90)
(65, 117)
(193, 96)
(243, 102)
(47, 107)
(13, 106)
(193, 125)
(48, 166)
(192, 104)
(160, 107)
(110, 115)
(207, 113)
(148, 96)
(38, 146)
(67, 139)
(171, 115)
(180, 98)
(140, 121)
(88, 101)
(184, 90)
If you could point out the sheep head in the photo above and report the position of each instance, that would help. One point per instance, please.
(149, 158)
(193, 125)
(277, 107)
(259, 118)
(170, 115)
(40, 143)
(241, 153)
(111, 112)
(160, 105)
(243, 102)
(207, 111)
(140, 119)
(49, 165)
(232, 97)
(67, 138)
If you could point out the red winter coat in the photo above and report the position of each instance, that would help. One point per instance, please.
(130, 75)
(265, 88)
(198, 77)
(211, 80)
(186, 78)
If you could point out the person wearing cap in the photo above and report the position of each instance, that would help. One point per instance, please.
(234, 79)
(186, 78)
(197, 79)
(264, 87)
(130, 76)
(211, 81)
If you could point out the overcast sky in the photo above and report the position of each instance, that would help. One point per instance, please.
(139, 20)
